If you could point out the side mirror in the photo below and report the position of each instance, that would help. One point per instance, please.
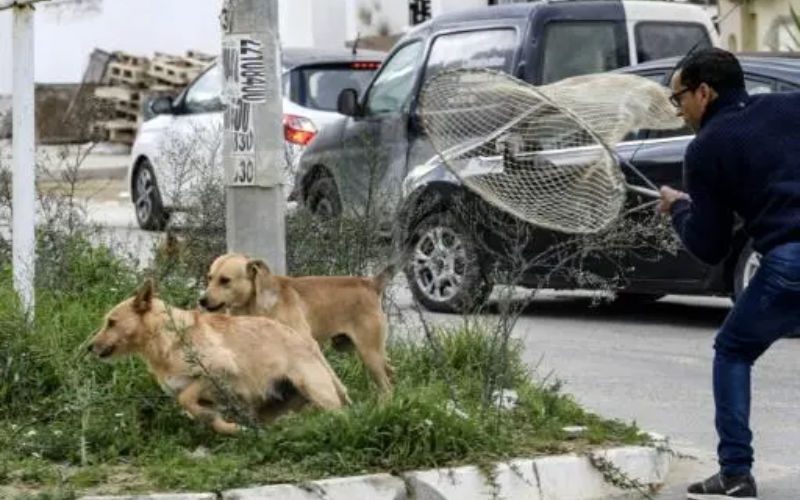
(161, 105)
(347, 103)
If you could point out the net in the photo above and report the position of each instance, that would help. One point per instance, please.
(543, 154)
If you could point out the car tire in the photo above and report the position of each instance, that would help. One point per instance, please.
(147, 204)
(444, 271)
(322, 198)
(746, 267)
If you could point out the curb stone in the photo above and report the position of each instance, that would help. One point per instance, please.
(159, 496)
(372, 487)
(563, 477)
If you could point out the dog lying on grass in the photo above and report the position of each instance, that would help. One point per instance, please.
(326, 307)
(207, 360)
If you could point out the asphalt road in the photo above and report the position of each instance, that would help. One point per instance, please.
(650, 364)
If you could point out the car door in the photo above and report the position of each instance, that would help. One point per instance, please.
(492, 47)
(372, 162)
(658, 155)
(190, 149)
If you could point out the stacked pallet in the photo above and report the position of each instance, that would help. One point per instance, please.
(130, 81)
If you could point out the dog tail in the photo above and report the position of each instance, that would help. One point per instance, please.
(381, 280)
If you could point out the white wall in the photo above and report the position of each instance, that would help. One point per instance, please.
(295, 17)
(767, 21)
(373, 16)
(441, 6)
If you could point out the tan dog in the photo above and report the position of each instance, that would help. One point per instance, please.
(322, 306)
(204, 358)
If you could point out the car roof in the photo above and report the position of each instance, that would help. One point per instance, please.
(296, 56)
(779, 66)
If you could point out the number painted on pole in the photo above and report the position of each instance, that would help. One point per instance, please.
(245, 171)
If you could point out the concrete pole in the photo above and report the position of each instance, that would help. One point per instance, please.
(252, 150)
(24, 158)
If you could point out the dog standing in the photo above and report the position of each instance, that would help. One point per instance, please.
(263, 363)
(323, 307)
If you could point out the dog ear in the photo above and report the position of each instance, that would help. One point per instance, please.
(263, 286)
(255, 266)
(144, 296)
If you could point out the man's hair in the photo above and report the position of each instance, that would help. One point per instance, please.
(717, 68)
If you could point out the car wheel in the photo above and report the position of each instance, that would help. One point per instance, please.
(746, 266)
(147, 203)
(444, 270)
(322, 198)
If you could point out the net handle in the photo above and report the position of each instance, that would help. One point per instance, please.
(650, 193)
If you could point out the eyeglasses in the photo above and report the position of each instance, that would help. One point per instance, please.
(675, 98)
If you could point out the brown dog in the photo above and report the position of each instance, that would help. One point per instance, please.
(201, 358)
(322, 306)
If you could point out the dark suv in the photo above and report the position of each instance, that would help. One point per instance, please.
(459, 277)
(365, 157)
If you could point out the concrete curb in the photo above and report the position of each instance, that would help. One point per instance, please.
(563, 477)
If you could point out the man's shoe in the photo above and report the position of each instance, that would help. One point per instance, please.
(719, 487)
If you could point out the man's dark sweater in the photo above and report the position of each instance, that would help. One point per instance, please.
(745, 160)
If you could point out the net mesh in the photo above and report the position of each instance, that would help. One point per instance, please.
(542, 153)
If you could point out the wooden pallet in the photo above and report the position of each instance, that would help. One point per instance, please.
(121, 74)
(118, 94)
(117, 130)
(172, 72)
(129, 59)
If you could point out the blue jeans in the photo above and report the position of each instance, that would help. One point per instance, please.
(767, 310)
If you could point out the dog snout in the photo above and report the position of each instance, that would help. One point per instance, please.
(209, 305)
(100, 350)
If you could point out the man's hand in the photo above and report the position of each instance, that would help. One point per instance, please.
(668, 197)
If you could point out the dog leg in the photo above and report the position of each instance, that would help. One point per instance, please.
(370, 345)
(189, 399)
(341, 390)
(379, 369)
(317, 385)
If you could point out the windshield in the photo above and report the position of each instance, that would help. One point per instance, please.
(320, 87)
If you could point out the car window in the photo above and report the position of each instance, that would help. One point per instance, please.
(204, 94)
(656, 40)
(757, 86)
(788, 87)
(392, 87)
(753, 85)
(321, 86)
(659, 77)
(492, 49)
(574, 48)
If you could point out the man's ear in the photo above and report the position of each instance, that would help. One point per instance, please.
(144, 296)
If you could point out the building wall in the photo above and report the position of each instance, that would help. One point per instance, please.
(757, 25)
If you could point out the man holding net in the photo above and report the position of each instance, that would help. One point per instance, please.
(745, 162)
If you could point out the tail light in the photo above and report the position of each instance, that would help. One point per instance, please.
(298, 130)
(369, 65)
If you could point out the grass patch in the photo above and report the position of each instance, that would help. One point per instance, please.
(70, 425)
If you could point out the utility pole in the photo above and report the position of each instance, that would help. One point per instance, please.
(253, 153)
(23, 173)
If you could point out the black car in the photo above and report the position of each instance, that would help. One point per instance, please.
(459, 277)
